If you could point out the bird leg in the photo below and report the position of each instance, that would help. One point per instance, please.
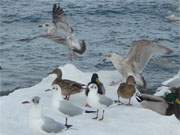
(66, 97)
(129, 103)
(66, 125)
(119, 102)
(102, 116)
(96, 115)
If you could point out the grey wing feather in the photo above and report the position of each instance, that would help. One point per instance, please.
(152, 98)
(69, 109)
(52, 126)
(142, 51)
(59, 19)
(105, 100)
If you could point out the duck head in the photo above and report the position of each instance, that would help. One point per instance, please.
(58, 72)
(131, 80)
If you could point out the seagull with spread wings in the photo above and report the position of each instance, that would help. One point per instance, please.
(137, 58)
(61, 32)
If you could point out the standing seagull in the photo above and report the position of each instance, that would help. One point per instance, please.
(39, 123)
(136, 60)
(63, 106)
(96, 100)
(61, 32)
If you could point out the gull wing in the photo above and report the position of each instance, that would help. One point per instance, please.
(52, 126)
(69, 109)
(142, 51)
(105, 100)
(59, 19)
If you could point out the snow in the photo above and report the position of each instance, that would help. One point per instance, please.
(122, 119)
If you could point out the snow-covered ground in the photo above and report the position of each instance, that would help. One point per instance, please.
(119, 120)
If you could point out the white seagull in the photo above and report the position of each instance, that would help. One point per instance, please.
(42, 124)
(63, 106)
(97, 101)
(137, 58)
(61, 32)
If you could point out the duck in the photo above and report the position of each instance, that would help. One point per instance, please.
(95, 79)
(161, 105)
(127, 89)
(68, 87)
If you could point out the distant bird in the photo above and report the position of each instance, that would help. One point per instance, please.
(160, 105)
(127, 89)
(137, 58)
(42, 124)
(173, 18)
(68, 87)
(63, 106)
(95, 79)
(97, 101)
(61, 32)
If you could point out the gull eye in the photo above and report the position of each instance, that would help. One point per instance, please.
(46, 25)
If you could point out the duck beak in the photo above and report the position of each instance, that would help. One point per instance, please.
(25, 102)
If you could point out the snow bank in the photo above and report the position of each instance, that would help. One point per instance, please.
(125, 120)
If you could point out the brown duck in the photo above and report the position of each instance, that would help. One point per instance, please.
(127, 89)
(68, 87)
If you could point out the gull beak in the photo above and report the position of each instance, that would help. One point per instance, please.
(25, 102)
(48, 90)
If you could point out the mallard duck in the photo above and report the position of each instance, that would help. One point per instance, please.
(68, 87)
(95, 79)
(127, 89)
(160, 104)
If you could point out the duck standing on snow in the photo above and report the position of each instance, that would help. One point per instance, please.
(168, 105)
(97, 101)
(136, 60)
(127, 89)
(41, 124)
(68, 87)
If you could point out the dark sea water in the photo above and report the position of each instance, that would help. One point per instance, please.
(106, 25)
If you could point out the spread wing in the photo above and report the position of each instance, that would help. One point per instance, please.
(58, 18)
(142, 51)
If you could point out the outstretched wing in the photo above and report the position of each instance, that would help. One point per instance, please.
(58, 18)
(141, 53)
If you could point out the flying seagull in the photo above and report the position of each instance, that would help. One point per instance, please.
(137, 58)
(61, 32)
(42, 124)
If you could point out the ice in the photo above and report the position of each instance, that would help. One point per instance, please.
(122, 119)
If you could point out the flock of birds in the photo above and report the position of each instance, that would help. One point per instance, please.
(131, 67)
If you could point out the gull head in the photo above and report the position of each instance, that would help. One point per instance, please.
(35, 100)
(57, 91)
(93, 88)
(113, 56)
(131, 80)
(45, 25)
(57, 72)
